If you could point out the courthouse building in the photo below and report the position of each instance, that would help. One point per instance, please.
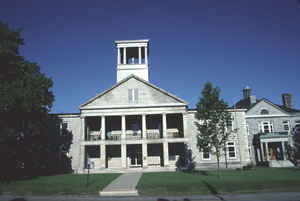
(139, 126)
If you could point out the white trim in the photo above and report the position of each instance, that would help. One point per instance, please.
(266, 116)
(227, 149)
(132, 106)
(206, 159)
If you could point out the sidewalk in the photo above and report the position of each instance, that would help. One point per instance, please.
(124, 185)
(283, 196)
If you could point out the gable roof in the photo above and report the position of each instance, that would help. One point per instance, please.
(139, 79)
(245, 104)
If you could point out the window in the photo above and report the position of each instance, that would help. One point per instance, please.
(133, 95)
(264, 112)
(286, 125)
(231, 150)
(297, 126)
(266, 127)
(229, 124)
(63, 128)
(205, 155)
(247, 129)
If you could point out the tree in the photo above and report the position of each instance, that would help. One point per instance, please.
(186, 162)
(294, 150)
(25, 100)
(212, 115)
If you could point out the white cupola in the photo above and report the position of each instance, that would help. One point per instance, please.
(132, 58)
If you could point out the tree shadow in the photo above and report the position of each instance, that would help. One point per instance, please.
(213, 190)
(19, 199)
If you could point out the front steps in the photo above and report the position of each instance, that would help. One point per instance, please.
(280, 164)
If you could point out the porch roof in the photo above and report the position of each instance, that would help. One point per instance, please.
(273, 135)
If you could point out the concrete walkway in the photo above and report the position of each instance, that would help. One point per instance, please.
(124, 185)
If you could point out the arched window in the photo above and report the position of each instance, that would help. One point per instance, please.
(264, 111)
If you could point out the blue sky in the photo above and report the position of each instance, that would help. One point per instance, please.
(230, 43)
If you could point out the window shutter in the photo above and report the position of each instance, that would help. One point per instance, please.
(136, 95)
(130, 95)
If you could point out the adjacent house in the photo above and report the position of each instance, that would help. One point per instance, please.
(139, 126)
(270, 127)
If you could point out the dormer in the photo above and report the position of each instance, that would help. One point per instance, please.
(132, 58)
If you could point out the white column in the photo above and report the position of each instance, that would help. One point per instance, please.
(119, 55)
(267, 150)
(146, 55)
(123, 126)
(262, 151)
(166, 154)
(144, 127)
(102, 156)
(283, 150)
(164, 125)
(140, 56)
(185, 126)
(145, 154)
(124, 56)
(123, 155)
(102, 127)
(82, 128)
(82, 157)
(258, 155)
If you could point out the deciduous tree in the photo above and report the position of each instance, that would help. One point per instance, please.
(212, 115)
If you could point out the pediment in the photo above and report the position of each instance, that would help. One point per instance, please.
(265, 108)
(118, 95)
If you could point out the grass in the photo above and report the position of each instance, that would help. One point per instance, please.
(58, 184)
(231, 181)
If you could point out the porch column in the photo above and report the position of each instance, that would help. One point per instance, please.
(82, 128)
(267, 150)
(146, 55)
(145, 154)
(123, 155)
(166, 154)
(144, 127)
(262, 151)
(283, 150)
(123, 127)
(82, 157)
(258, 155)
(119, 57)
(185, 122)
(124, 56)
(164, 125)
(140, 56)
(102, 156)
(102, 127)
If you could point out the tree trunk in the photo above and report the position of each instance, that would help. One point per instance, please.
(218, 161)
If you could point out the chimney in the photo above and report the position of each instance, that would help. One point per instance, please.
(246, 92)
(287, 100)
(252, 99)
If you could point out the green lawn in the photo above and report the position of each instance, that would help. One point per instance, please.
(231, 181)
(58, 184)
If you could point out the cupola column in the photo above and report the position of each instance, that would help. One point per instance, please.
(140, 55)
(119, 55)
(124, 56)
(146, 55)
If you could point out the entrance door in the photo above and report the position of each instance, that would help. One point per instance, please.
(135, 155)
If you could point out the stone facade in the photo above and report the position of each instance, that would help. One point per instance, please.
(272, 125)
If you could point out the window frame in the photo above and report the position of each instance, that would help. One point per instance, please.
(229, 145)
(133, 95)
(209, 155)
(286, 123)
(269, 125)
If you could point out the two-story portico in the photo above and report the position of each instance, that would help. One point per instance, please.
(134, 123)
